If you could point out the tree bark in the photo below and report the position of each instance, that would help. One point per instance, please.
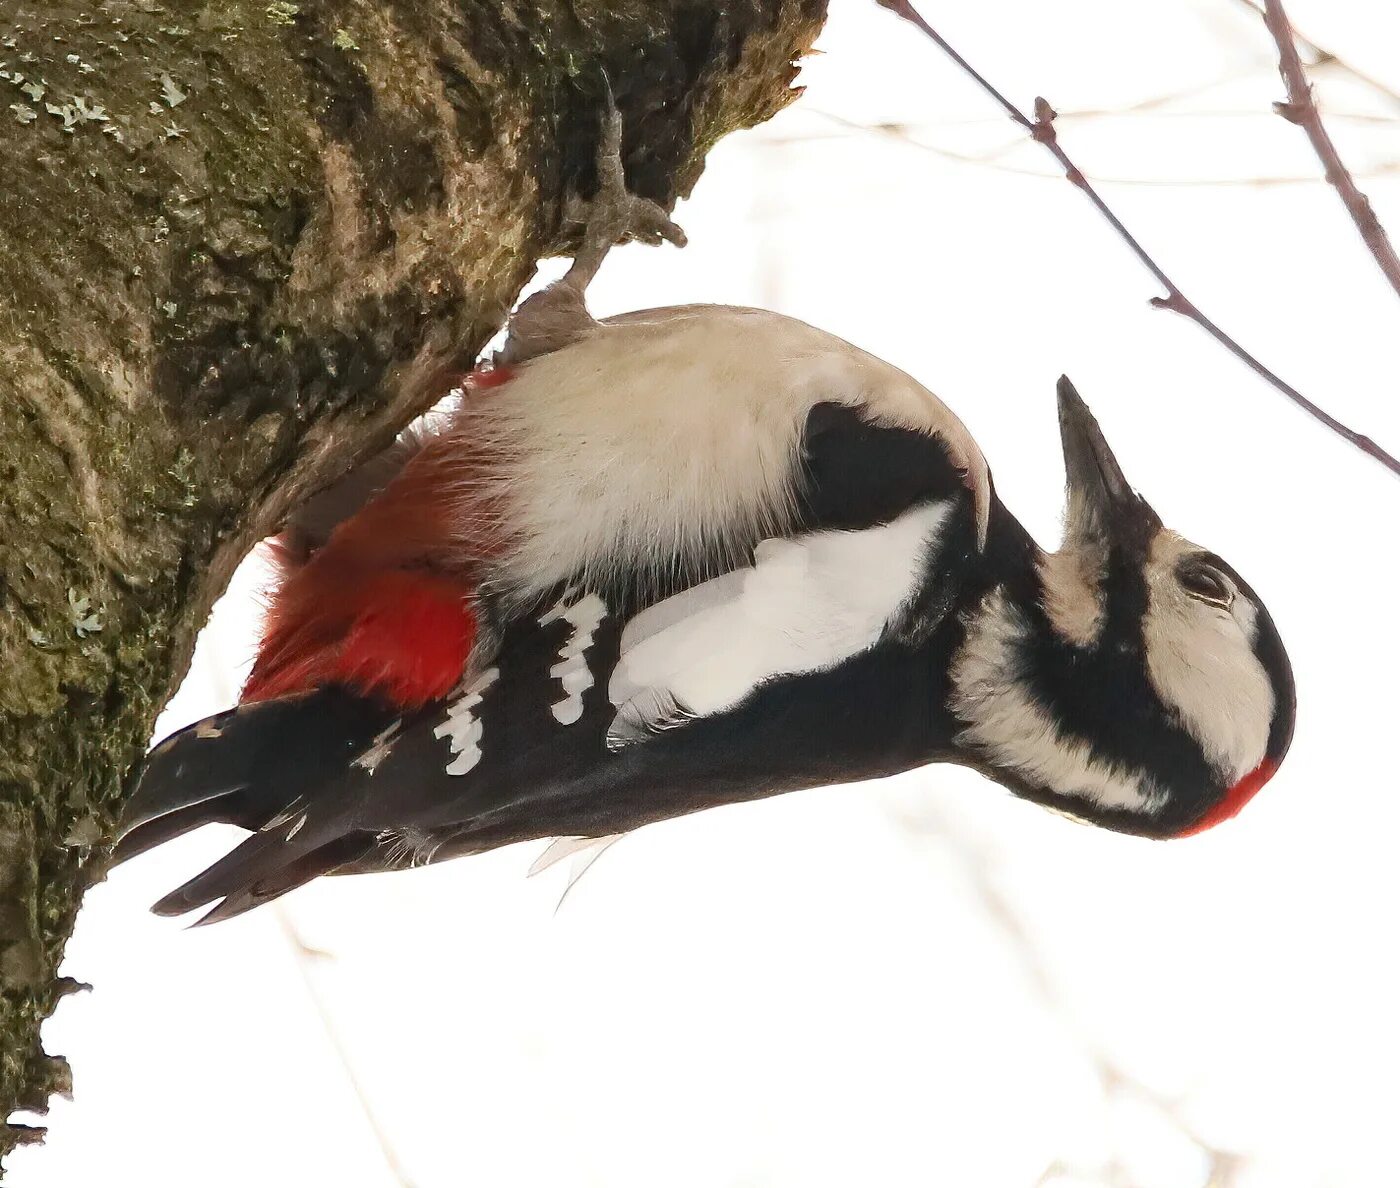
(242, 242)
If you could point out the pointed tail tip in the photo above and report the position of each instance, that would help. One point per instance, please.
(176, 903)
(228, 908)
(135, 839)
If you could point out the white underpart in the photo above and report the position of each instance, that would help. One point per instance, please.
(1201, 661)
(804, 606)
(670, 434)
(572, 671)
(461, 727)
(379, 749)
(1011, 731)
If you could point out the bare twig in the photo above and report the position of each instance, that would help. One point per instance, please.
(1301, 109)
(1149, 109)
(1325, 57)
(1041, 128)
(904, 134)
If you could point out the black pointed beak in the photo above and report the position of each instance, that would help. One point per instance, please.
(1101, 500)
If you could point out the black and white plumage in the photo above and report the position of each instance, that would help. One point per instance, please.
(1131, 679)
(701, 555)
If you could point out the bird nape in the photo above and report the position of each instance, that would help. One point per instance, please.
(692, 556)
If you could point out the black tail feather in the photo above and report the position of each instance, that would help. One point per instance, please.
(220, 808)
(266, 865)
(273, 768)
(247, 765)
(210, 759)
(323, 860)
(228, 874)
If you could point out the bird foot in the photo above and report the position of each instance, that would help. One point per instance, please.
(614, 213)
(559, 315)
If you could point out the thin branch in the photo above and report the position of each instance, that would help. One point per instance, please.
(903, 134)
(1301, 109)
(1148, 109)
(1041, 128)
(1325, 57)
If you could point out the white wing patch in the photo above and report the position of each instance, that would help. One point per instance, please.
(572, 671)
(805, 605)
(461, 728)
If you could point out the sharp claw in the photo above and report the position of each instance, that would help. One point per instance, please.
(614, 213)
(649, 223)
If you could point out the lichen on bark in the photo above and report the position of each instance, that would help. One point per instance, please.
(241, 244)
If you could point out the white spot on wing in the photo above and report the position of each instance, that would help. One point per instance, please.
(461, 728)
(572, 671)
(557, 610)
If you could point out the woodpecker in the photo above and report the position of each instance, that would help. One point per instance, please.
(693, 556)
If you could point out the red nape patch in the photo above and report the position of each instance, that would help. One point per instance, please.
(1235, 798)
(402, 634)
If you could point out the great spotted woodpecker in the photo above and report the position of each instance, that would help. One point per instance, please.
(699, 555)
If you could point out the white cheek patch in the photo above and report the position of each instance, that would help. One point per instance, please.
(572, 671)
(461, 727)
(1007, 726)
(1247, 616)
(1201, 661)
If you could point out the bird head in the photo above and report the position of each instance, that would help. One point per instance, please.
(1137, 681)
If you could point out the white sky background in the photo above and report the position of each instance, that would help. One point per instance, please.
(817, 990)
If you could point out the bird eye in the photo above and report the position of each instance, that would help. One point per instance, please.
(1203, 582)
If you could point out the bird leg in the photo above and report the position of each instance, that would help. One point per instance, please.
(558, 315)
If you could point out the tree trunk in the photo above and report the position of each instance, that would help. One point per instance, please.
(242, 243)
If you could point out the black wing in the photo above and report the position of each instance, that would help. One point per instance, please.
(555, 736)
